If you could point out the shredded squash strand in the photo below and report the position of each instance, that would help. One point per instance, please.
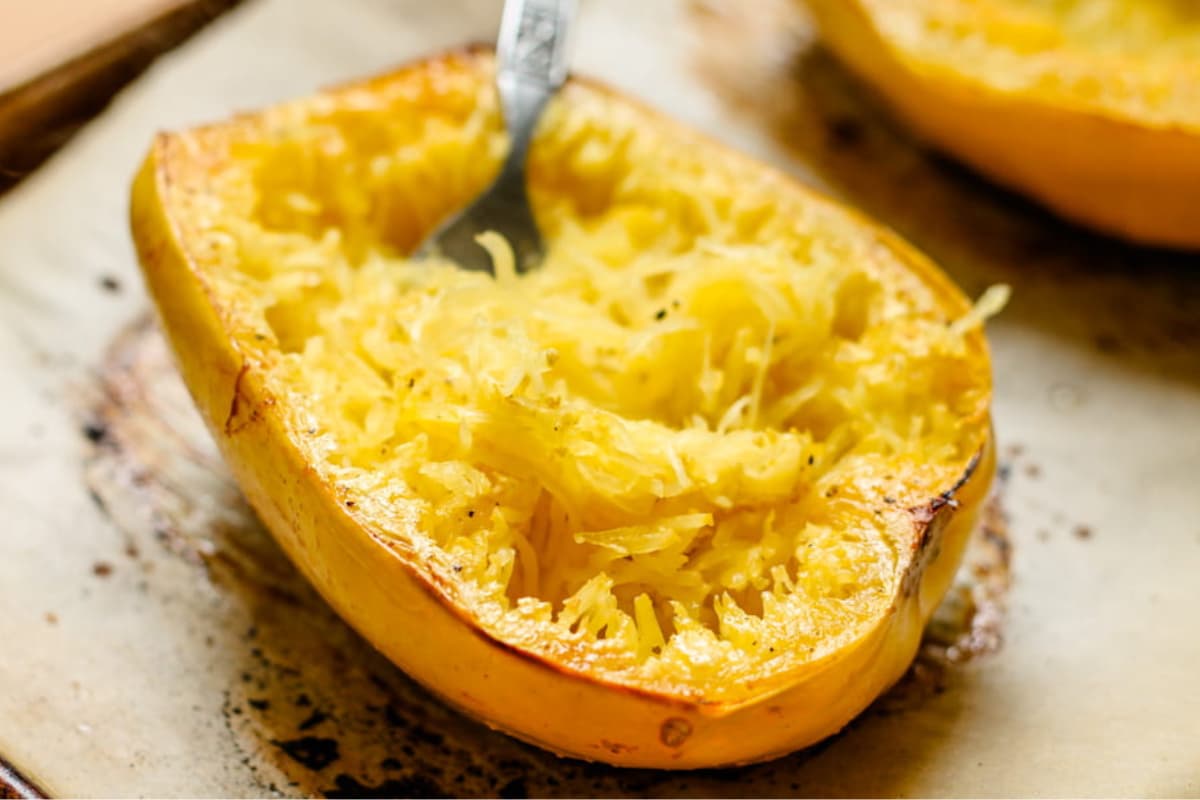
(689, 438)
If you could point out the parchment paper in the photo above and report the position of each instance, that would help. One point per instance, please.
(156, 643)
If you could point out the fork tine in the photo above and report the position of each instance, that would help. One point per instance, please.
(531, 67)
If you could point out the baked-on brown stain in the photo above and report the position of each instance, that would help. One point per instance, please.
(313, 752)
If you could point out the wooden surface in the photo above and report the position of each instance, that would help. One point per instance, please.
(167, 648)
(61, 61)
(14, 785)
(40, 37)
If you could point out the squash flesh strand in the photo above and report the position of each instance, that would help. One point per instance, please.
(689, 439)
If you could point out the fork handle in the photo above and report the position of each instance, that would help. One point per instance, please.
(531, 65)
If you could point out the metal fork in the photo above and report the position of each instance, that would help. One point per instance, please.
(531, 65)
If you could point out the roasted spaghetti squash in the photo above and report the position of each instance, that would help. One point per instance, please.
(683, 496)
(1090, 106)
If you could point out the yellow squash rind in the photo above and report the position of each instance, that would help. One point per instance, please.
(405, 609)
(1106, 165)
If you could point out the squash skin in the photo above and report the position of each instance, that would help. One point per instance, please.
(1136, 180)
(404, 610)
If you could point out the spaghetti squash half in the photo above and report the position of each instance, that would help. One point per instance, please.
(1090, 106)
(683, 496)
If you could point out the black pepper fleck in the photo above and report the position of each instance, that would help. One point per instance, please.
(95, 432)
(845, 131)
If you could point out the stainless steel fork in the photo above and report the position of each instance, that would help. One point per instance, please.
(531, 65)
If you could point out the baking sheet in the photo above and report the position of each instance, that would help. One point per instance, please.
(157, 643)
